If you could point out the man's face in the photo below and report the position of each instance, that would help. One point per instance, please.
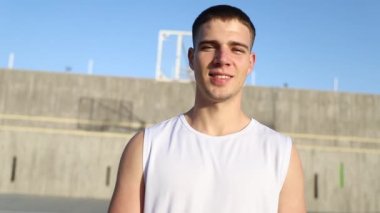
(221, 59)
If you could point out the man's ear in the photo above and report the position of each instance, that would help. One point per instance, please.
(252, 61)
(190, 57)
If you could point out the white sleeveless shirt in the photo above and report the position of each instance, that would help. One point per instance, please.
(188, 171)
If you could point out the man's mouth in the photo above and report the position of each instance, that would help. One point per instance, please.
(220, 76)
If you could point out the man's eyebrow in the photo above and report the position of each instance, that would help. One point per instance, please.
(235, 43)
(207, 42)
(231, 43)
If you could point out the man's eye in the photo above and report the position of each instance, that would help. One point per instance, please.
(207, 48)
(238, 50)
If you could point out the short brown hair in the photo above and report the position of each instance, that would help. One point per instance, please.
(223, 12)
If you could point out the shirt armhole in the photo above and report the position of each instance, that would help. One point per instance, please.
(146, 151)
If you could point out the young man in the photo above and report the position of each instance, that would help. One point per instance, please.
(213, 158)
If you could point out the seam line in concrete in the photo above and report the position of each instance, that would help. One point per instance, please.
(333, 138)
(63, 131)
(337, 149)
(69, 120)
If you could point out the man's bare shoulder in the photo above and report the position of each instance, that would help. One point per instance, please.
(129, 190)
(133, 152)
(135, 143)
(292, 194)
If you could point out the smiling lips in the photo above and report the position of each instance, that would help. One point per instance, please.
(219, 78)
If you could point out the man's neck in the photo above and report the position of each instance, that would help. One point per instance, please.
(217, 119)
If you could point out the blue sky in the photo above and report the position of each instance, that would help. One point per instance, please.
(302, 43)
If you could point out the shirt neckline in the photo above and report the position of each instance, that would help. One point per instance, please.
(249, 126)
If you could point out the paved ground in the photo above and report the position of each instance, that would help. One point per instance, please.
(12, 203)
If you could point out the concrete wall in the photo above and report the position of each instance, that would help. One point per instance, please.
(59, 165)
(62, 134)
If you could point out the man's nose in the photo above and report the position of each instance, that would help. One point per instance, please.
(222, 56)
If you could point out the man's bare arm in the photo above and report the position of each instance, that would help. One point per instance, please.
(292, 198)
(128, 196)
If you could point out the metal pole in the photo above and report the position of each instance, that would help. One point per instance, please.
(178, 57)
(11, 60)
(336, 84)
(90, 66)
(159, 74)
